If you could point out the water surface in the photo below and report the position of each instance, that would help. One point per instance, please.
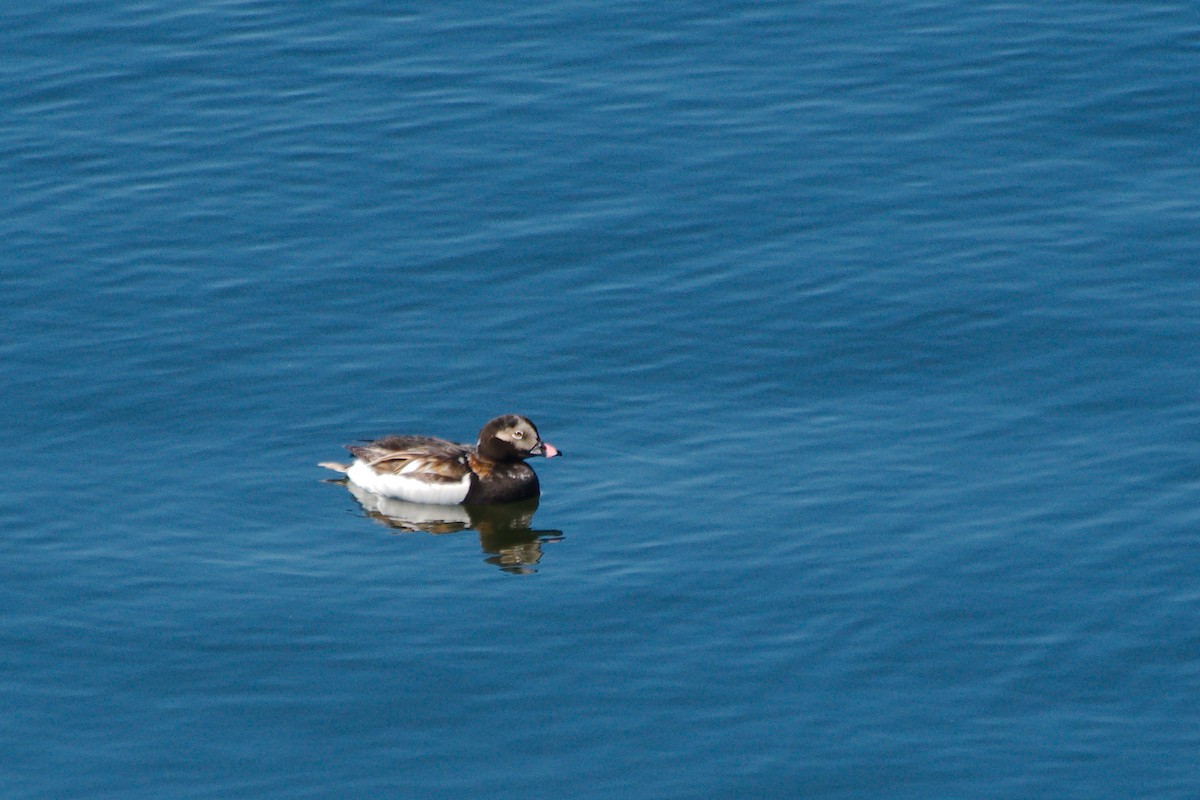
(869, 331)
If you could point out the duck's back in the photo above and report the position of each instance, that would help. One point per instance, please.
(399, 447)
(420, 469)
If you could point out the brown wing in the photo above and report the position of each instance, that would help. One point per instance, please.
(424, 457)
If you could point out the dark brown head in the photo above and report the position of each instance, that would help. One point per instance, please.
(512, 438)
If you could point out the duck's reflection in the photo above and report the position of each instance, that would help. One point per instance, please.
(504, 531)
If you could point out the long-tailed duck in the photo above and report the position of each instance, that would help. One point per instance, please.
(424, 469)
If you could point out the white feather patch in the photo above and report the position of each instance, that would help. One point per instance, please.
(406, 487)
(413, 513)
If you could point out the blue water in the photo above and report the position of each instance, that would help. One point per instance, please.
(869, 331)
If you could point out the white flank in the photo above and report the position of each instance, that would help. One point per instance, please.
(408, 488)
(415, 513)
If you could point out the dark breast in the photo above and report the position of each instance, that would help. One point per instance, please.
(502, 483)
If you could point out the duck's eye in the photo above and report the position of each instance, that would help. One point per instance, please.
(518, 434)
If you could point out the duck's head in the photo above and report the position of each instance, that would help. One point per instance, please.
(513, 438)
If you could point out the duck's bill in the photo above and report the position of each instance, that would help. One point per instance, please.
(546, 449)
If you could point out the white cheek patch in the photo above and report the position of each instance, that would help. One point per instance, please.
(408, 487)
(517, 437)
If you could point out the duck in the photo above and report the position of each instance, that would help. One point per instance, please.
(426, 469)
